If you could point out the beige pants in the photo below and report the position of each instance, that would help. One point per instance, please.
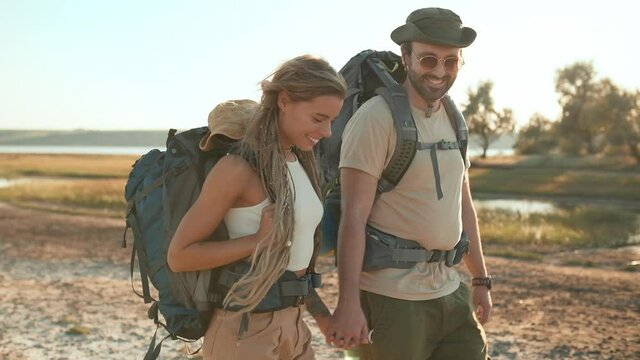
(279, 335)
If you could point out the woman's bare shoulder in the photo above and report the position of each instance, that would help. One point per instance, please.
(234, 164)
(231, 171)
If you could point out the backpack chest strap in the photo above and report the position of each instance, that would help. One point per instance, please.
(433, 147)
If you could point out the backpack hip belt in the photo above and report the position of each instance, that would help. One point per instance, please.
(384, 250)
(288, 290)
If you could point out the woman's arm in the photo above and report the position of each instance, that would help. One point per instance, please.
(319, 310)
(226, 185)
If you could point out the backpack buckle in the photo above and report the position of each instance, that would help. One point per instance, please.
(316, 280)
(298, 301)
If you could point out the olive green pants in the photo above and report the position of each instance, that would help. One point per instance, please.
(438, 329)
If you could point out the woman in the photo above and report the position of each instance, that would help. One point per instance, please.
(268, 197)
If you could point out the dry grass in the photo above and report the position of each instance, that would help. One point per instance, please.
(66, 195)
(557, 182)
(534, 234)
(601, 163)
(95, 183)
(64, 165)
(613, 178)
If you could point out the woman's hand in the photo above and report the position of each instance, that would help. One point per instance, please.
(266, 222)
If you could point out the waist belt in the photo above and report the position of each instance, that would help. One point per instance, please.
(384, 250)
(287, 291)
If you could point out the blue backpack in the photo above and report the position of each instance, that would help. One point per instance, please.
(161, 187)
(371, 73)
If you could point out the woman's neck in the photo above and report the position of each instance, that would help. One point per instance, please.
(289, 155)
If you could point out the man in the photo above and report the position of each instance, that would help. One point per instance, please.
(422, 312)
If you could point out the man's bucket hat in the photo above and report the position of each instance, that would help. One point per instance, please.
(434, 26)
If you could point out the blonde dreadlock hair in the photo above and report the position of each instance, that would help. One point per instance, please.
(302, 79)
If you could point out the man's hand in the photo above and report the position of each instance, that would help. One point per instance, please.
(481, 298)
(348, 327)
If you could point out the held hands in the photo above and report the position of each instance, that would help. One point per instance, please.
(347, 328)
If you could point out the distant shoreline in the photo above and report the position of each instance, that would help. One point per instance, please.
(77, 149)
(146, 138)
(60, 140)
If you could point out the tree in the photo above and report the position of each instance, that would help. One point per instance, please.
(633, 128)
(579, 128)
(483, 119)
(621, 109)
(537, 136)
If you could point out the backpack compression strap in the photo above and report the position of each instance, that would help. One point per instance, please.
(462, 134)
(458, 123)
(433, 147)
(138, 249)
(407, 135)
(142, 257)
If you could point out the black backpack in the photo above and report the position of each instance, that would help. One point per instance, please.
(371, 73)
(161, 187)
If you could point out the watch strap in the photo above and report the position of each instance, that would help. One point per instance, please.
(482, 281)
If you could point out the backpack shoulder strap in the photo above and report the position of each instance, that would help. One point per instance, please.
(458, 123)
(170, 136)
(407, 135)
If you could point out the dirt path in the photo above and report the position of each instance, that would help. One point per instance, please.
(65, 294)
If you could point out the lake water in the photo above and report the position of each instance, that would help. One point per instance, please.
(516, 205)
(6, 183)
(139, 150)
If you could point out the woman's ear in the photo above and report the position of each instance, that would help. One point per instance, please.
(283, 100)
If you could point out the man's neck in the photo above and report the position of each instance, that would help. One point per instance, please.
(432, 107)
(418, 101)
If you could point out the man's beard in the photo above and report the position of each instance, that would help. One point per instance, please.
(428, 94)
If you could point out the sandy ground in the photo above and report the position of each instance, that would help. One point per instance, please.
(65, 293)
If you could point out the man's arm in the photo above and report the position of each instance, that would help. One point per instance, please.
(474, 260)
(358, 191)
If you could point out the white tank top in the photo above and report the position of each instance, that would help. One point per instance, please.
(307, 213)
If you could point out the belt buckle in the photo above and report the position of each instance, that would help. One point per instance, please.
(429, 255)
(300, 298)
(436, 256)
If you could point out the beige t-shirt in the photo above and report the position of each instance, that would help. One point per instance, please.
(412, 209)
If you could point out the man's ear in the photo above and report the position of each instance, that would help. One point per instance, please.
(403, 57)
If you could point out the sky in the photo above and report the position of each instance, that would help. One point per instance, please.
(159, 64)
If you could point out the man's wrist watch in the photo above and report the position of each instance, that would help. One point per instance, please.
(482, 281)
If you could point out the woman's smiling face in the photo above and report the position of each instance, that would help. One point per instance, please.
(303, 123)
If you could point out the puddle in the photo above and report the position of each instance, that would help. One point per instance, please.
(4, 183)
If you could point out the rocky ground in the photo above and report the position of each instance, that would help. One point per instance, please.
(65, 293)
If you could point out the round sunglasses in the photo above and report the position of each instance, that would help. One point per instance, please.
(430, 62)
